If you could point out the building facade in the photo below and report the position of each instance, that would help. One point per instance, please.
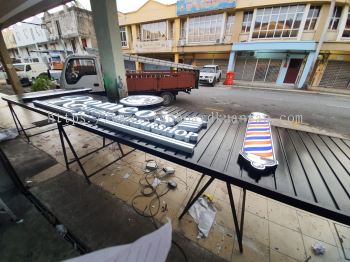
(266, 42)
(51, 38)
(30, 37)
(71, 29)
(11, 45)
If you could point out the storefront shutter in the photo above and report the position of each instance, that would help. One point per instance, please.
(336, 75)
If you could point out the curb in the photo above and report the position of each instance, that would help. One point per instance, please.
(308, 91)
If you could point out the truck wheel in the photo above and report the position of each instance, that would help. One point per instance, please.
(168, 98)
(214, 82)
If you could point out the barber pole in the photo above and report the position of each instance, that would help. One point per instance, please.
(258, 143)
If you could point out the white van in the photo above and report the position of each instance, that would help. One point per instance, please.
(27, 72)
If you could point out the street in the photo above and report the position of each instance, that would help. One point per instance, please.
(327, 113)
(330, 113)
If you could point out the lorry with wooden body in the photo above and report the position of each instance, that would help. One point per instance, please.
(84, 71)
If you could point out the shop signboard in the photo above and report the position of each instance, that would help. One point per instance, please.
(184, 7)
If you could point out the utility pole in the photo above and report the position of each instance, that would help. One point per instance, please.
(321, 41)
(10, 70)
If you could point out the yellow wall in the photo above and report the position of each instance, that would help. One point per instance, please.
(336, 46)
(150, 11)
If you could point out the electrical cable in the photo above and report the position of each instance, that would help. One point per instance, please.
(147, 190)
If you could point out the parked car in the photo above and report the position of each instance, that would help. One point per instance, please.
(210, 74)
(27, 72)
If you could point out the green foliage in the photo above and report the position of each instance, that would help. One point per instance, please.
(42, 83)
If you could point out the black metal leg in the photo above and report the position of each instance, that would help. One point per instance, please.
(196, 187)
(242, 213)
(191, 202)
(104, 141)
(63, 147)
(120, 148)
(110, 163)
(239, 232)
(16, 120)
(60, 127)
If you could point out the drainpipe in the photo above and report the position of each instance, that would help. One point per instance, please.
(321, 41)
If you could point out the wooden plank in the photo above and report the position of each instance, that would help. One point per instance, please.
(347, 142)
(343, 147)
(223, 155)
(283, 178)
(338, 193)
(342, 158)
(338, 169)
(214, 145)
(205, 139)
(317, 184)
(301, 184)
(232, 167)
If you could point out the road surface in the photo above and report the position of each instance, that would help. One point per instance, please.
(331, 113)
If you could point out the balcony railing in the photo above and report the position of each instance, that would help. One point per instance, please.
(152, 46)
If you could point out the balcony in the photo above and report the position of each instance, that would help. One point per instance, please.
(152, 46)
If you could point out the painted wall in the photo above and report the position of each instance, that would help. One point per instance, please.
(28, 34)
(9, 38)
(150, 11)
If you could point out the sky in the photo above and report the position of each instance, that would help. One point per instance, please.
(122, 5)
(127, 5)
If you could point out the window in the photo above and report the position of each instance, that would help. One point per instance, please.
(77, 68)
(31, 32)
(333, 24)
(84, 43)
(170, 30)
(247, 21)
(123, 36)
(229, 22)
(346, 32)
(58, 28)
(312, 17)
(183, 29)
(19, 67)
(204, 28)
(153, 31)
(278, 22)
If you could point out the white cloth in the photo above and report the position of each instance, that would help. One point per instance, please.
(203, 214)
(153, 247)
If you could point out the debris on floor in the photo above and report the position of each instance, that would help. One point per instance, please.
(126, 176)
(318, 248)
(8, 134)
(203, 214)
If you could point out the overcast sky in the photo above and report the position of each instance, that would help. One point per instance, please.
(123, 6)
(127, 5)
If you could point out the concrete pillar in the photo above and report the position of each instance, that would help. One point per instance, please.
(342, 22)
(307, 69)
(138, 66)
(237, 26)
(223, 26)
(10, 70)
(177, 34)
(231, 64)
(109, 45)
(176, 57)
(322, 21)
(134, 33)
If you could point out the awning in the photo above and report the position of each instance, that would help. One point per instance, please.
(275, 46)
